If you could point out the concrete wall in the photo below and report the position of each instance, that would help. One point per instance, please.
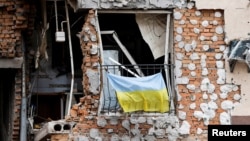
(237, 26)
(126, 4)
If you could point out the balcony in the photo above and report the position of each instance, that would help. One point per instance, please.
(109, 101)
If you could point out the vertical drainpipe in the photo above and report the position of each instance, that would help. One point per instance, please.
(23, 128)
(56, 14)
(71, 59)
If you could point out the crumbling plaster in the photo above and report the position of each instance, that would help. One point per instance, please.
(239, 11)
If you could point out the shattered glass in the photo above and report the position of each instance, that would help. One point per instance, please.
(238, 50)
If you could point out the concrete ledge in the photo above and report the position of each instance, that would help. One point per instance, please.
(53, 127)
(11, 63)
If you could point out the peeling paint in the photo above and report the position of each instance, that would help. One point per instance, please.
(219, 30)
(225, 118)
(147, 138)
(190, 5)
(212, 105)
(182, 115)
(203, 57)
(179, 56)
(194, 44)
(193, 22)
(203, 61)
(205, 96)
(126, 124)
(218, 56)
(178, 38)
(196, 30)
(182, 22)
(173, 133)
(199, 131)
(202, 38)
(179, 30)
(182, 80)
(215, 22)
(185, 128)
(178, 72)
(94, 81)
(177, 15)
(94, 49)
(217, 14)
(181, 44)
(207, 86)
(160, 133)
(220, 64)
(237, 97)
(192, 106)
(227, 88)
(191, 87)
(115, 137)
(223, 95)
(221, 76)
(101, 122)
(214, 38)
(125, 138)
(222, 48)
(94, 133)
(205, 23)
(213, 96)
(191, 66)
(198, 115)
(193, 73)
(204, 72)
(198, 13)
(192, 97)
(133, 120)
(178, 64)
(227, 105)
(180, 106)
(135, 131)
(235, 88)
(188, 47)
(150, 120)
(194, 56)
(205, 47)
(110, 130)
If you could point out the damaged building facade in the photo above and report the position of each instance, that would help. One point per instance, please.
(57, 58)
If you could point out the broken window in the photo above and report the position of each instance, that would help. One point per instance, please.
(133, 46)
(51, 80)
(239, 50)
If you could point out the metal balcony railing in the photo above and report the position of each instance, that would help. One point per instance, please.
(109, 99)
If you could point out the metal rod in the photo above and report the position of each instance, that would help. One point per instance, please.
(111, 59)
(71, 58)
(166, 59)
(23, 128)
(124, 49)
(56, 15)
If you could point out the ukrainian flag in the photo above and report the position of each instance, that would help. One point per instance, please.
(147, 93)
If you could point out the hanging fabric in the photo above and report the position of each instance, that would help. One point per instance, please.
(147, 93)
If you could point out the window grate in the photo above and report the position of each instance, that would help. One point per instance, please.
(110, 102)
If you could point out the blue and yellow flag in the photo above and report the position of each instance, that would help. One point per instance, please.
(147, 93)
